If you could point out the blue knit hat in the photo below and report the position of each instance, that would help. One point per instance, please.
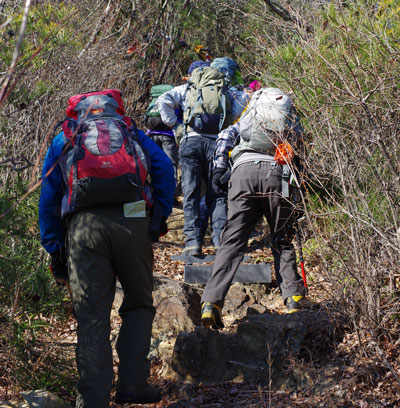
(197, 64)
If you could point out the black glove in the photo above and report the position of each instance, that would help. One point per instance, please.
(163, 226)
(154, 235)
(162, 230)
(59, 267)
(217, 185)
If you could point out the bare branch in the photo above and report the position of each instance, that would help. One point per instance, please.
(96, 29)
(16, 51)
(283, 13)
(19, 163)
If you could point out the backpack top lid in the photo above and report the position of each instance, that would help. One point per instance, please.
(202, 75)
(158, 90)
(272, 107)
(112, 95)
(227, 66)
(197, 64)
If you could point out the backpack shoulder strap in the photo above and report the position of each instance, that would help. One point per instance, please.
(223, 116)
(58, 126)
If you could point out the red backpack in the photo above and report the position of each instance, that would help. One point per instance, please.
(104, 161)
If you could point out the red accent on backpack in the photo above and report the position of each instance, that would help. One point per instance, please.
(116, 94)
(106, 163)
(74, 100)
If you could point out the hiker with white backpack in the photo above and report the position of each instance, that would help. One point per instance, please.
(261, 148)
(208, 106)
(97, 221)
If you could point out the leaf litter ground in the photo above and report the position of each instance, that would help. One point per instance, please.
(354, 379)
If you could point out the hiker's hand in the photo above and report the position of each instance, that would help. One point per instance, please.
(178, 132)
(163, 226)
(155, 235)
(298, 208)
(218, 187)
(59, 267)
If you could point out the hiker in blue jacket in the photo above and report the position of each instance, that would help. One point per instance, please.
(195, 159)
(90, 248)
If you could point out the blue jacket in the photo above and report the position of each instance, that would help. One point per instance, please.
(52, 228)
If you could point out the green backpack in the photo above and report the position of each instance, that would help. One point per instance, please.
(207, 103)
(155, 92)
(152, 117)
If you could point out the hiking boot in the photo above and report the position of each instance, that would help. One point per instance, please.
(297, 303)
(211, 315)
(138, 394)
(192, 251)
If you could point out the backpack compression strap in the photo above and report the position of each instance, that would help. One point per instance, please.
(198, 101)
(132, 133)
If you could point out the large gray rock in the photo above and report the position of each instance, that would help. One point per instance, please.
(260, 343)
(10, 404)
(257, 342)
(177, 306)
(43, 399)
(37, 399)
(178, 311)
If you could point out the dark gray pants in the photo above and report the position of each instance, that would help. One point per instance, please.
(251, 195)
(103, 246)
(168, 144)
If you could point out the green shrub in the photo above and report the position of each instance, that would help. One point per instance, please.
(25, 280)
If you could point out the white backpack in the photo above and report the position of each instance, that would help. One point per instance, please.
(267, 120)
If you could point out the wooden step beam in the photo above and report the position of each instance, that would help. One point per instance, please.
(246, 273)
(190, 259)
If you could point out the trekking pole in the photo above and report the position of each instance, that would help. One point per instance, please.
(301, 259)
(300, 248)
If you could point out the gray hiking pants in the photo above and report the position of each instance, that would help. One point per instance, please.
(168, 144)
(103, 246)
(254, 191)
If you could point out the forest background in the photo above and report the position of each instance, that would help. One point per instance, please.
(339, 61)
